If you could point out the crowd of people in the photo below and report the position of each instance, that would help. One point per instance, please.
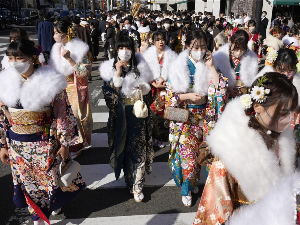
(221, 91)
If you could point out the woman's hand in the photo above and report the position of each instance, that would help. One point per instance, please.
(208, 59)
(4, 156)
(119, 66)
(66, 54)
(63, 152)
(194, 97)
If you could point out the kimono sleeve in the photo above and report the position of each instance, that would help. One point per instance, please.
(84, 68)
(4, 126)
(171, 97)
(64, 122)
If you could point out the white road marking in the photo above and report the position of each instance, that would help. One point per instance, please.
(101, 102)
(96, 92)
(100, 117)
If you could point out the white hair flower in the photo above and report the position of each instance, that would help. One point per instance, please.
(246, 101)
(272, 55)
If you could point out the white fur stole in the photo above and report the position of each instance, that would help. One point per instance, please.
(246, 155)
(179, 75)
(35, 93)
(151, 58)
(78, 50)
(107, 73)
(248, 70)
(273, 42)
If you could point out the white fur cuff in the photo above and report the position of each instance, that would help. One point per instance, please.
(118, 81)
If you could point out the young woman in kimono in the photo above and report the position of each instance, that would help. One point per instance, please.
(251, 149)
(194, 84)
(70, 57)
(237, 62)
(159, 58)
(36, 127)
(128, 78)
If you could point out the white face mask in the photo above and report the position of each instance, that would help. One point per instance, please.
(127, 26)
(263, 15)
(124, 54)
(178, 24)
(158, 27)
(20, 67)
(251, 29)
(197, 55)
(167, 26)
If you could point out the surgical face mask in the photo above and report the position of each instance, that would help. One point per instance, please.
(20, 67)
(229, 32)
(205, 28)
(280, 126)
(167, 25)
(251, 29)
(127, 26)
(124, 54)
(263, 15)
(178, 24)
(58, 38)
(237, 54)
(158, 27)
(197, 55)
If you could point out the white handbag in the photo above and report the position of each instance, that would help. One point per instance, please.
(140, 109)
(68, 171)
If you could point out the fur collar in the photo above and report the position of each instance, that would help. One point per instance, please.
(296, 79)
(273, 42)
(36, 93)
(144, 29)
(78, 50)
(107, 73)
(276, 208)
(4, 62)
(151, 58)
(179, 77)
(249, 66)
(245, 154)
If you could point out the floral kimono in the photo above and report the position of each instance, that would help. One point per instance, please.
(159, 65)
(243, 169)
(240, 73)
(35, 121)
(187, 76)
(77, 88)
(129, 137)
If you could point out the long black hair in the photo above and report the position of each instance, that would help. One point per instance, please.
(21, 46)
(158, 33)
(126, 41)
(62, 26)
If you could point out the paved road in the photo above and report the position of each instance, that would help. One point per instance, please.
(106, 201)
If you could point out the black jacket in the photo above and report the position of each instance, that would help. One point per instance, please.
(102, 27)
(263, 26)
(171, 34)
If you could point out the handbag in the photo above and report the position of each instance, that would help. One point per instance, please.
(176, 114)
(140, 109)
(158, 104)
(68, 171)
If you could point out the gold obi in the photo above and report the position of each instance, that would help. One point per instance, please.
(28, 122)
(130, 100)
(70, 78)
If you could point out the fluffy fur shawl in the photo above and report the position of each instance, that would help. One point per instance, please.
(179, 75)
(249, 65)
(107, 72)
(36, 93)
(273, 42)
(276, 208)
(151, 58)
(4, 62)
(246, 155)
(288, 40)
(78, 50)
(296, 80)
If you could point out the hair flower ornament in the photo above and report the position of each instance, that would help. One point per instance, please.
(271, 56)
(258, 94)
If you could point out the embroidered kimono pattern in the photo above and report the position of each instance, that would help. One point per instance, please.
(129, 138)
(77, 91)
(186, 138)
(32, 138)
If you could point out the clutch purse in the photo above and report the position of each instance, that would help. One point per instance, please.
(176, 114)
(68, 171)
(140, 109)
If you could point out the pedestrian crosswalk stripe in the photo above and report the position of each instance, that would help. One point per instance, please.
(101, 102)
(102, 176)
(100, 117)
(2, 44)
(154, 219)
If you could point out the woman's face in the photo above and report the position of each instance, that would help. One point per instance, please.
(279, 36)
(237, 53)
(267, 118)
(124, 48)
(197, 45)
(288, 72)
(160, 42)
(59, 37)
(228, 32)
(20, 58)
